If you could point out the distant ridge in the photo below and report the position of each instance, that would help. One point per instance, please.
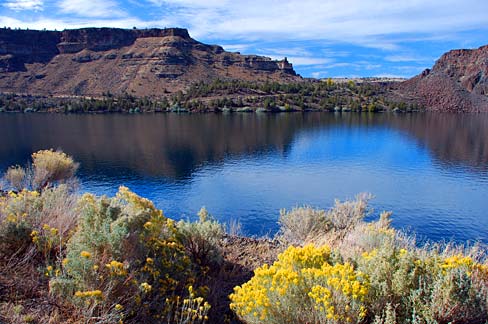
(141, 62)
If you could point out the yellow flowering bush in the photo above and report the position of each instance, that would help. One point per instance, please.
(128, 250)
(145, 287)
(85, 254)
(41, 219)
(457, 261)
(116, 268)
(459, 289)
(47, 239)
(16, 207)
(19, 213)
(306, 285)
(380, 276)
(410, 284)
(89, 294)
(192, 310)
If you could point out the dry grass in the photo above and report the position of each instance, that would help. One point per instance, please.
(24, 292)
(52, 166)
(59, 210)
(24, 296)
(304, 225)
(16, 177)
(234, 228)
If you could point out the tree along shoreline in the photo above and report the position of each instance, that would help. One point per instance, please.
(228, 96)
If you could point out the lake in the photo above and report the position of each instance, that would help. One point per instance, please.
(431, 170)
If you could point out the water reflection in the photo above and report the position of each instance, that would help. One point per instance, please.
(460, 139)
(431, 169)
(174, 146)
(167, 145)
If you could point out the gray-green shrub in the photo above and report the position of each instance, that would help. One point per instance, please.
(126, 260)
(201, 239)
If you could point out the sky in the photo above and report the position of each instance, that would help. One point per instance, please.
(322, 38)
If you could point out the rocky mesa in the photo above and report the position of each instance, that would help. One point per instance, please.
(458, 82)
(141, 62)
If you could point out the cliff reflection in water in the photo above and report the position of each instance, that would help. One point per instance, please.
(174, 146)
(460, 139)
(166, 145)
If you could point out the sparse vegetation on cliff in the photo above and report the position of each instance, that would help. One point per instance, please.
(78, 259)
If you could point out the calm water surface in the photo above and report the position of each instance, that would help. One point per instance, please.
(431, 170)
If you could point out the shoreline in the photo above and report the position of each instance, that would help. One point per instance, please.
(229, 96)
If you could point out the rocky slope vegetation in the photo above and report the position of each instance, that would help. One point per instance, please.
(458, 82)
(93, 61)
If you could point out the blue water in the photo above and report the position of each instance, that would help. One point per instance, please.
(430, 170)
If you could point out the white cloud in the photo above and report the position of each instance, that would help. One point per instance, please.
(380, 24)
(406, 58)
(190, 3)
(316, 75)
(342, 65)
(287, 51)
(60, 24)
(300, 60)
(236, 47)
(409, 68)
(305, 60)
(372, 66)
(91, 8)
(364, 22)
(400, 58)
(20, 5)
(298, 56)
(392, 76)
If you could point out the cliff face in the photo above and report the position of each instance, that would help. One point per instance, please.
(92, 61)
(458, 82)
(21, 47)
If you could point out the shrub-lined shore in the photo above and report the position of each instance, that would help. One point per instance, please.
(229, 96)
(79, 258)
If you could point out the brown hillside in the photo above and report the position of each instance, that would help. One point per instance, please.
(458, 82)
(93, 61)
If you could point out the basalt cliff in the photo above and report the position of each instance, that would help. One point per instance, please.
(458, 82)
(96, 61)
(93, 62)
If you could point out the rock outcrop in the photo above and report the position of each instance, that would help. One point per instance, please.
(458, 82)
(149, 62)
(21, 47)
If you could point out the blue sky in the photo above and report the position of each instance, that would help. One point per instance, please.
(322, 38)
